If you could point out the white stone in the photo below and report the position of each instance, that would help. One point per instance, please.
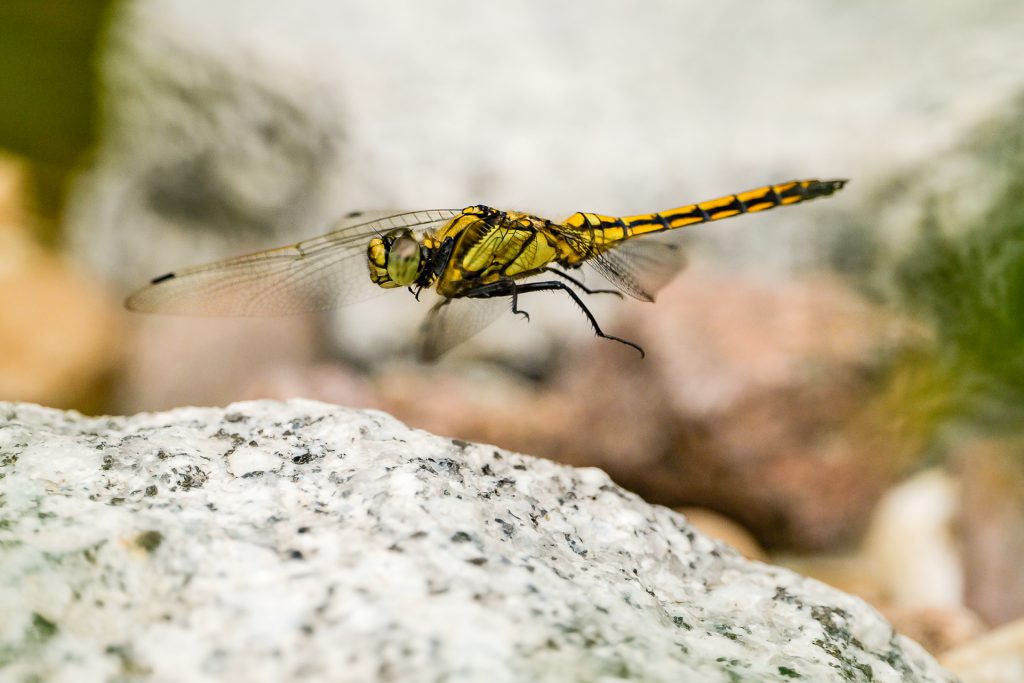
(912, 541)
(996, 657)
(301, 541)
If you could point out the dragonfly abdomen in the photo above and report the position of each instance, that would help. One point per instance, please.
(605, 231)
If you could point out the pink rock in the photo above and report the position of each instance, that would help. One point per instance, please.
(992, 527)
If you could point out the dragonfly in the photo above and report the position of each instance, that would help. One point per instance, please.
(478, 260)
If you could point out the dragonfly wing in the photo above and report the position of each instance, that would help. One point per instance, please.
(452, 321)
(316, 274)
(641, 267)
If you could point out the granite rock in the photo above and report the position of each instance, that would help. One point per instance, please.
(301, 541)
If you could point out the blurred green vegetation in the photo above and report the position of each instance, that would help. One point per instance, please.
(972, 288)
(969, 283)
(48, 87)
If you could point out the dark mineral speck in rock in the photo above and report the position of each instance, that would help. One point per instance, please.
(149, 540)
(41, 630)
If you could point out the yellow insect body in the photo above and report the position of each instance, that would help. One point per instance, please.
(492, 245)
(476, 253)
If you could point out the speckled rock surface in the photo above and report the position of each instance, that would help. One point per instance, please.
(301, 541)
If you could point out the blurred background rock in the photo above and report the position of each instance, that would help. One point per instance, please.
(810, 362)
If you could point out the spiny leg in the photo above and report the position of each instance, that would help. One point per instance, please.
(580, 284)
(513, 289)
(515, 299)
(553, 285)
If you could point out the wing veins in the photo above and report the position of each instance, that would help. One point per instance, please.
(313, 274)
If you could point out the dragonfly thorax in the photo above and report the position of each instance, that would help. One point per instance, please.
(396, 258)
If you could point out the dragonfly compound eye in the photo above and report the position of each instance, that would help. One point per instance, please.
(404, 260)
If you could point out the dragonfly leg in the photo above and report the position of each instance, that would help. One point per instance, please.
(515, 299)
(578, 283)
(514, 289)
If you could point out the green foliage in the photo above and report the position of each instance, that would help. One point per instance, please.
(972, 288)
(48, 85)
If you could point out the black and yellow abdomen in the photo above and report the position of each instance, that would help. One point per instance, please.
(594, 233)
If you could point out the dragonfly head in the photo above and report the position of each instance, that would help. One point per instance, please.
(396, 258)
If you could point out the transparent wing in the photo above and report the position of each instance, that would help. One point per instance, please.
(640, 267)
(313, 275)
(452, 321)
